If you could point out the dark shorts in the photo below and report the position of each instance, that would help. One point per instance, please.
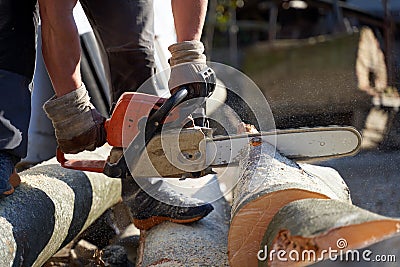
(15, 111)
(18, 21)
(18, 24)
(124, 29)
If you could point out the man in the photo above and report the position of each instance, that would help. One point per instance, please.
(18, 20)
(125, 31)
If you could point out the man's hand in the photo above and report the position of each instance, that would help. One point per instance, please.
(189, 68)
(186, 63)
(78, 126)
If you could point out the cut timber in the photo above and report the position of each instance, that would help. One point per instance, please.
(269, 181)
(313, 227)
(50, 208)
(203, 243)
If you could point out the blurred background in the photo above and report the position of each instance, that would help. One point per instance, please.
(324, 62)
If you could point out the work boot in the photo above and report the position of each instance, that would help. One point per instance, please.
(9, 179)
(148, 211)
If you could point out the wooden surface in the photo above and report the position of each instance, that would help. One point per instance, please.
(269, 181)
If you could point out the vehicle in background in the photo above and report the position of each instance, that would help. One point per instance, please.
(302, 55)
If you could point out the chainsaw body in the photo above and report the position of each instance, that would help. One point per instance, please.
(138, 118)
(133, 123)
(131, 108)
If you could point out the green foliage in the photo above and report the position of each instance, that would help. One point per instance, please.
(224, 9)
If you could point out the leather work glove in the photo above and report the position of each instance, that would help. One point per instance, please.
(189, 67)
(78, 126)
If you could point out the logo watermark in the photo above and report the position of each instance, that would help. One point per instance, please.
(332, 254)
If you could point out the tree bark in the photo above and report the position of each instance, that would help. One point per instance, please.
(203, 243)
(50, 208)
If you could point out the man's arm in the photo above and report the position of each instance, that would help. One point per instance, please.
(187, 55)
(78, 126)
(61, 47)
(189, 16)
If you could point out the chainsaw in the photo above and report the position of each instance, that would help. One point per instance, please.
(144, 126)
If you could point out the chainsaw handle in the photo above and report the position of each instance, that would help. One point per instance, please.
(161, 114)
(81, 165)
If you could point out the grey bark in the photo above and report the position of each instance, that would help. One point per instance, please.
(203, 243)
(50, 208)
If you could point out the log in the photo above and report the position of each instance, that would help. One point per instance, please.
(203, 243)
(311, 230)
(50, 208)
(269, 181)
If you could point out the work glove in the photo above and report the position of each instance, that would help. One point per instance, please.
(189, 67)
(78, 126)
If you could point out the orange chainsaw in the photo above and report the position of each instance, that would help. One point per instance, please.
(138, 117)
(137, 125)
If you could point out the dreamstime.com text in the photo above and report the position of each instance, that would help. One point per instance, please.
(338, 254)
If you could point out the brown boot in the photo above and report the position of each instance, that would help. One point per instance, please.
(15, 180)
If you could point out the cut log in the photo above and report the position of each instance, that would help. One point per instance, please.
(203, 243)
(306, 231)
(50, 208)
(269, 181)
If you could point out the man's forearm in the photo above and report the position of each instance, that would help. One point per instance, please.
(61, 47)
(189, 16)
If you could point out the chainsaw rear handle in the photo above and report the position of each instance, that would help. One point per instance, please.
(79, 164)
(135, 148)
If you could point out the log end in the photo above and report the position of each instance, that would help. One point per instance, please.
(311, 230)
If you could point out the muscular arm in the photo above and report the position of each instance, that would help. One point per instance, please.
(61, 48)
(189, 16)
